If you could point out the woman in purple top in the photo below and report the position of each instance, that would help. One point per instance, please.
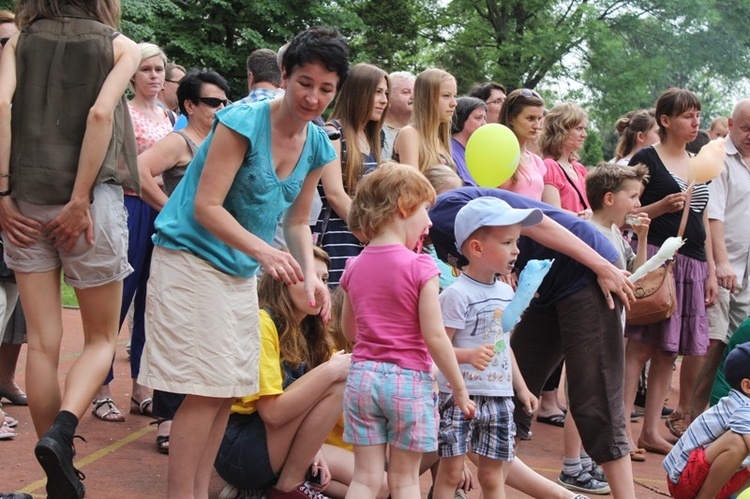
(471, 113)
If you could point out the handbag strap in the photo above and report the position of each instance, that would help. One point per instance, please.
(570, 181)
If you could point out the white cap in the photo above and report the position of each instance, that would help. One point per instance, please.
(490, 211)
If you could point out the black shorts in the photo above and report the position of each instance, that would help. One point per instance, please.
(243, 459)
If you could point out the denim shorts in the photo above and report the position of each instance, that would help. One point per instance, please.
(385, 403)
(243, 460)
(85, 266)
(490, 433)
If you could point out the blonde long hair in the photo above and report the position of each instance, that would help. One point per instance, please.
(433, 132)
(353, 109)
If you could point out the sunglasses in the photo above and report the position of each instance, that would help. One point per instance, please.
(165, 79)
(3, 41)
(529, 94)
(213, 101)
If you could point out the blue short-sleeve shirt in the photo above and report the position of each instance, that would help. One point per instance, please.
(257, 198)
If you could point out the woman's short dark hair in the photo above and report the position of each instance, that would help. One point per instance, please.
(464, 107)
(192, 82)
(322, 45)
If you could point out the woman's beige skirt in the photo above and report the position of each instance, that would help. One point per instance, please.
(202, 328)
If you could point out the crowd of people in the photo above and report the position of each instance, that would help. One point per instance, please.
(316, 305)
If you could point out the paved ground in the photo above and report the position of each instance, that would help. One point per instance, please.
(120, 459)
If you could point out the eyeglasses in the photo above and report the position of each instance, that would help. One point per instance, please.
(213, 101)
(3, 41)
(167, 79)
(529, 94)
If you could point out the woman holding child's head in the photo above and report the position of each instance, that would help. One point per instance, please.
(522, 112)
(563, 134)
(686, 332)
(360, 121)
(299, 399)
(471, 113)
(637, 129)
(70, 149)
(427, 140)
(212, 237)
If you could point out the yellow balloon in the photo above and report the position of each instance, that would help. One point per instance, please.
(492, 155)
(708, 163)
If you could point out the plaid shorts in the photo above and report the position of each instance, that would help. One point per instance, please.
(385, 403)
(490, 433)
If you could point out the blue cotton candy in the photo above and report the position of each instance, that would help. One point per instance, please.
(528, 282)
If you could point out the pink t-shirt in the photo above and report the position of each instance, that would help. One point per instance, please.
(530, 181)
(569, 198)
(383, 284)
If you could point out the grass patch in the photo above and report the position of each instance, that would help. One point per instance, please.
(68, 296)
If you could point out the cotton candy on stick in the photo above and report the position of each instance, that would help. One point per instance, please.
(667, 251)
(528, 282)
(708, 163)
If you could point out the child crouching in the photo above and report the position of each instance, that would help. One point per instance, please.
(705, 462)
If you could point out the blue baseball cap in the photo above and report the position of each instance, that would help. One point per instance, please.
(737, 365)
(487, 211)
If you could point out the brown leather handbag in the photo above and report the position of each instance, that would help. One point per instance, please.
(655, 293)
(655, 298)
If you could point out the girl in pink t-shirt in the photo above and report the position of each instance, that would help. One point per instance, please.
(391, 312)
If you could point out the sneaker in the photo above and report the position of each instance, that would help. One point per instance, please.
(597, 473)
(302, 491)
(232, 492)
(666, 412)
(54, 452)
(583, 483)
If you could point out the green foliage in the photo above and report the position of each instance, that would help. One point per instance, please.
(592, 153)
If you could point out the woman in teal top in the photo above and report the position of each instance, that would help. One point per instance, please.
(260, 162)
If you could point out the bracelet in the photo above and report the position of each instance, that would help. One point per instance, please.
(5, 193)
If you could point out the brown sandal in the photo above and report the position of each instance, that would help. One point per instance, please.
(676, 424)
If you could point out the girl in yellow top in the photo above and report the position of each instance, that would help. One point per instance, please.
(275, 437)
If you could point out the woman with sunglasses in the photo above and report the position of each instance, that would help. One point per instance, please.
(200, 95)
(522, 112)
(151, 123)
